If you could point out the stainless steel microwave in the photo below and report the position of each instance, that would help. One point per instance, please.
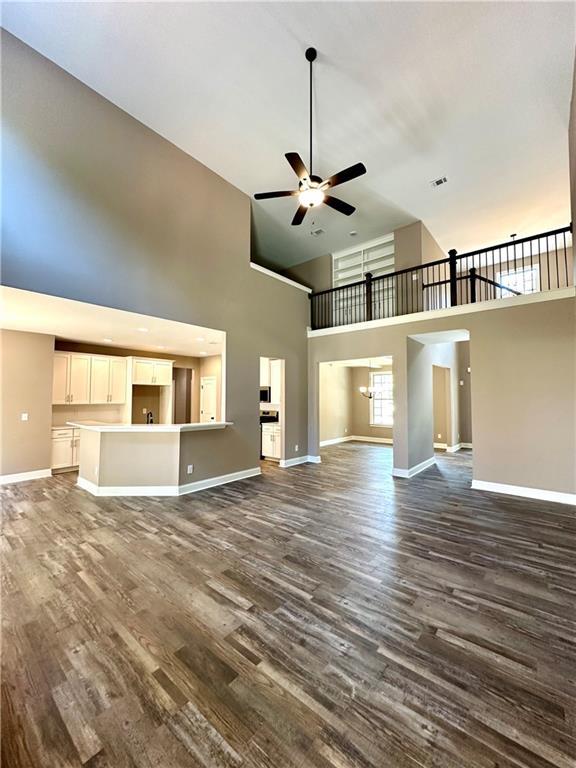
(264, 394)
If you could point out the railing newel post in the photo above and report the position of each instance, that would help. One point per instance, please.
(453, 277)
(368, 295)
(473, 285)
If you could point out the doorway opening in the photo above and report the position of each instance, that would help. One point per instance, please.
(272, 409)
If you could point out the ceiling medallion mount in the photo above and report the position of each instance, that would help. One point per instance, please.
(312, 190)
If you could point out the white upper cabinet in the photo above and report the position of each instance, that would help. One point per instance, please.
(152, 371)
(117, 380)
(71, 379)
(264, 372)
(108, 380)
(275, 381)
(60, 378)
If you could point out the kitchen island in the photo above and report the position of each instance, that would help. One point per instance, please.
(155, 459)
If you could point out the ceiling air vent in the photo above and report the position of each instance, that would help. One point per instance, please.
(317, 232)
(438, 182)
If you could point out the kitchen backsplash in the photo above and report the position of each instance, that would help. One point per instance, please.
(108, 413)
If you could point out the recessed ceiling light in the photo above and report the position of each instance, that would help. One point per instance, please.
(200, 338)
(142, 330)
(108, 341)
(160, 346)
(203, 353)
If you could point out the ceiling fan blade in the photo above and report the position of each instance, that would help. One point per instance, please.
(268, 195)
(297, 165)
(299, 215)
(346, 175)
(339, 205)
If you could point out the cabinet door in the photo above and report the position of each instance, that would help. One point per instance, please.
(99, 380)
(117, 380)
(276, 381)
(76, 448)
(79, 387)
(276, 442)
(267, 443)
(62, 448)
(143, 372)
(264, 372)
(60, 379)
(162, 373)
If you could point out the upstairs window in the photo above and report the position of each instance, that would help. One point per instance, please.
(523, 280)
(382, 403)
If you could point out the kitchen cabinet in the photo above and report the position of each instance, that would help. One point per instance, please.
(271, 441)
(108, 380)
(65, 448)
(264, 372)
(71, 379)
(276, 381)
(157, 372)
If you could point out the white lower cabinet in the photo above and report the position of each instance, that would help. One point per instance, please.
(65, 448)
(271, 441)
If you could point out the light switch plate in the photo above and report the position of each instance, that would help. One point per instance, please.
(295, 447)
(144, 411)
(190, 469)
(24, 416)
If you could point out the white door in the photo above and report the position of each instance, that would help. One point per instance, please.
(208, 398)
(79, 389)
(163, 373)
(60, 379)
(99, 380)
(117, 380)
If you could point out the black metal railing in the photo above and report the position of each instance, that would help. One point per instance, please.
(532, 264)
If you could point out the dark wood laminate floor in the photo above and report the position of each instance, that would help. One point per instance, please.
(323, 616)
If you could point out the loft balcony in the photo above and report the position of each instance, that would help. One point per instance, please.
(533, 264)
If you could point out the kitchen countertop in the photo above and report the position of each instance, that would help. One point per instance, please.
(100, 426)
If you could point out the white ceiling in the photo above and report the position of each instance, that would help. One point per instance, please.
(103, 326)
(478, 92)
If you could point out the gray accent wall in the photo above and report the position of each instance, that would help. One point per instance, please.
(99, 208)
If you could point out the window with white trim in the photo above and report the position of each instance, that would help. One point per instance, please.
(382, 402)
(523, 280)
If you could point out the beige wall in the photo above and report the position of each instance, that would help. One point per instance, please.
(572, 152)
(26, 361)
(361, 406)
(523, 361)
(464, 392)
(315, 273)
(442, 403)
(335, 401)
(99, 208)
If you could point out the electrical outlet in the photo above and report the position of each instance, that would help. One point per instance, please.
(468, 369)
(190, 469)
(461, 383)
(439, 435)
(295, 447)
(144, 411)
(345, 430)
(24, 416)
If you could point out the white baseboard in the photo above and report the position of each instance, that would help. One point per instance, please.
(529, 493)
(356, 438)
(314, 459)
(453, 448)
(166, 490)
(441, 446)
(20, 477)
(415, 470)
(466, 445)
(334, 441)
(286, 463)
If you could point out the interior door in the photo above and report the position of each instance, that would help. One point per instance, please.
(79, 379)
(117, 380)
(208, 398)
(99, 380)
(60, 379)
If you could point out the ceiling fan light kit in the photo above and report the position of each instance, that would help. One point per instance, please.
(312, 190)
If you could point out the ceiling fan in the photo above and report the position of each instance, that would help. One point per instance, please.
(312, 190)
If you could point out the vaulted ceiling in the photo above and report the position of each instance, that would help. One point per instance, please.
(476, 92)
